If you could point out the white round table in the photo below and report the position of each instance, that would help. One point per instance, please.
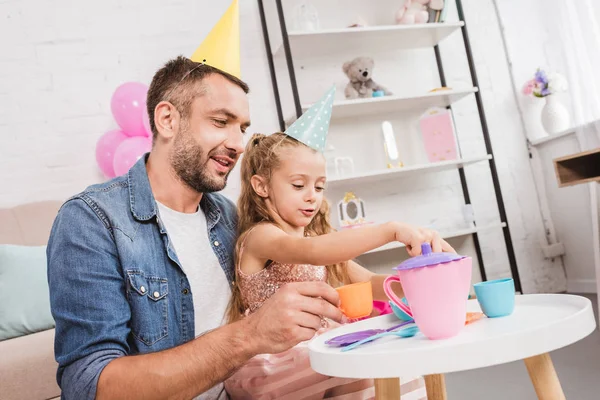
(540, 323)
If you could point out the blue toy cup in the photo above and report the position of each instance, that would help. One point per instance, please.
(496, 298)
(398, 312)
(378, 93)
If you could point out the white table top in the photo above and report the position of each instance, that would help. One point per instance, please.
(540, 323)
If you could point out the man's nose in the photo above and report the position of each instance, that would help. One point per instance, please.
(235, 142)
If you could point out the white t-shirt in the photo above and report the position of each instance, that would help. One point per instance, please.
(188, 235)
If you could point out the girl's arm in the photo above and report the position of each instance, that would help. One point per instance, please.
(268, 242)
(358, 273)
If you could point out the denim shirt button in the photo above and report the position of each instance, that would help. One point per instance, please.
(156, 295)
(216, 243)
(143, 289)
(185, 291)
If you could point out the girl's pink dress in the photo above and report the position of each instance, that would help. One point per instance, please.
(288, 375)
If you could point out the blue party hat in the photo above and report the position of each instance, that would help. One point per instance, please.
(312, 126)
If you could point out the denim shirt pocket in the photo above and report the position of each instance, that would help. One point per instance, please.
(148, 298)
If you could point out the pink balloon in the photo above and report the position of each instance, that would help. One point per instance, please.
(128, 152)
(127, 104)
(146, 120)
(105, 151)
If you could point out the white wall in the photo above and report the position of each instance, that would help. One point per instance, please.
(63, 63)
(571, 212)
(541, 42)
(530, 45)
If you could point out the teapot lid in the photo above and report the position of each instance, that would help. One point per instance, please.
(427, 258)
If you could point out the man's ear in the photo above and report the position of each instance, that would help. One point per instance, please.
(166, 119)
(260, 186)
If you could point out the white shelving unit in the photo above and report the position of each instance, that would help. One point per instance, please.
(389, 104)
(444, 235)
(308, 54)
(556, 136)
(567, 132)
(387, 37)
(395, 173)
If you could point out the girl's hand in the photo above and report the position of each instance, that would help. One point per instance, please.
(413, 237)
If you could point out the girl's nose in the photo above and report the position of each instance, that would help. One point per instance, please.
(311, 197)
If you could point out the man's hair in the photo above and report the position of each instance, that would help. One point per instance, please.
(177, 82)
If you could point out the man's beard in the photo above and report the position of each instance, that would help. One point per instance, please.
(190, 163)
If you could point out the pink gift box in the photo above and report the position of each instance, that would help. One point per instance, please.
(437, 129)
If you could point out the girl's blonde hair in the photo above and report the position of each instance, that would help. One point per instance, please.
(261, 157)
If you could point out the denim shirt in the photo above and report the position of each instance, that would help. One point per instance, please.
(116, 285)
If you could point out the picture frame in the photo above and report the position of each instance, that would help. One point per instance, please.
(351, 211)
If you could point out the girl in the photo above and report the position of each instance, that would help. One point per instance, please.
(285, 236)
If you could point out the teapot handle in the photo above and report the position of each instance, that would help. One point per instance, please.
(392, 296)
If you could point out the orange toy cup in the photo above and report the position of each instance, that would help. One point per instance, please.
(356, 300)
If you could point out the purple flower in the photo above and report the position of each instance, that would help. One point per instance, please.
(545, 91)
(541, 77)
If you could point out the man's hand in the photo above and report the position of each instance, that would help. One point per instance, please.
(292, 315)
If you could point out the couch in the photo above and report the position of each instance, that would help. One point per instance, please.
(27, 365)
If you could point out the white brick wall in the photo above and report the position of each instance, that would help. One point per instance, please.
(547, 44)
(62, 60)
(508, 140)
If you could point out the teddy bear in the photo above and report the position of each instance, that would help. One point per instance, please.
(361, 85)
(416, 11)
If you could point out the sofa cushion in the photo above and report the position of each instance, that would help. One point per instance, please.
(28, 224)
(27, 367)
(24, 296)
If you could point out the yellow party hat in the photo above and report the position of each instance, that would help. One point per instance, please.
(221, 48)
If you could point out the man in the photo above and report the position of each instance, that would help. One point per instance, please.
(140, 266)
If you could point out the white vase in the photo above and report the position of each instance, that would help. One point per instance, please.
(555, 117)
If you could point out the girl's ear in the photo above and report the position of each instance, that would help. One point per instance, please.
(260, 186)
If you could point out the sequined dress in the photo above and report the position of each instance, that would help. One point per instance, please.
(259, 287)
(288, 375)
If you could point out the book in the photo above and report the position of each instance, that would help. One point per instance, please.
(437, 129)
(431, 15)
(444, 11)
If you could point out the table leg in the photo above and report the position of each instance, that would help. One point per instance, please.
(544, 378)
(387, 389)
(436, 387)
(595, 193)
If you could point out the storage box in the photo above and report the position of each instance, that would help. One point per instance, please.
(437, 128)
